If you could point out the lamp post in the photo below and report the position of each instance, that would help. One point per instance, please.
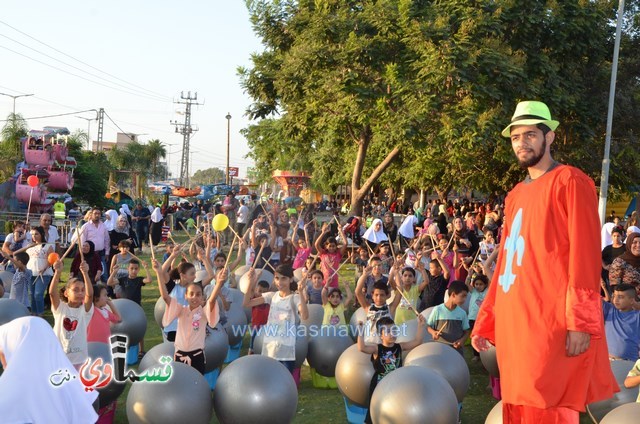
(14, 99)
(226, 178)
(88, 130)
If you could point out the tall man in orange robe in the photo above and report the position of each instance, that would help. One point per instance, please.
(543, 310)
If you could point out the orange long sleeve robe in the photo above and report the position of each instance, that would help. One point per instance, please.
(546, 282)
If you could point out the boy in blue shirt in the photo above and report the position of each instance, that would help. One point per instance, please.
(622, 323)
(448, 322)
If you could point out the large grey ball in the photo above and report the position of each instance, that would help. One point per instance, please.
(134, 321)
(625, 414)
(446, 361)
(316, 314)
(111, 391)
(490, 361)
(495, 416)
(236, 325)
(158, 311)
(325, 349)
(302, 346)
(414, 395)
(237, 297)
(11, 309)
(255, 389)
(360, 315)
(216, 346)
(243, 282)
(153, 355)
(184, 398)
(408, 330)
(620, 369)
(354, 371)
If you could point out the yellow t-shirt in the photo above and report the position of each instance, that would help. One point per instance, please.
(333, 316)
(635, 372)
(403, 312)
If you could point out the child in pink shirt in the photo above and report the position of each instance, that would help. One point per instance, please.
(99, 329)
(330, 255)
(192, 317)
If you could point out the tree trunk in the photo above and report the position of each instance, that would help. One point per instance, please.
(358, 191)
(443, 192)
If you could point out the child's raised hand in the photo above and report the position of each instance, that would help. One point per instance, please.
(252, 274)
(155, 265)
(367, 270)
(421, 321)
(222, 276)
(57, 266)
(84, 266)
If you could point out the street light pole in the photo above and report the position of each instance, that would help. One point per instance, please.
(14, 99)
(88, 131)
(604, 179)
(226, 179)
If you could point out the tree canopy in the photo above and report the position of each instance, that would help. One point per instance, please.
(208, 176)
(416, 92)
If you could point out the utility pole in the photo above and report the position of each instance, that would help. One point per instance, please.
(226, 179)
(186, 130)
(100, 136)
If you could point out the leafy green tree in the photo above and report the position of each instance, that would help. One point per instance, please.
(422, 89)
(207, 176)
(91, 174)
(13, 131)
(154, 151)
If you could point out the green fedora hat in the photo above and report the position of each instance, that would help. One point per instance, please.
(531, 112)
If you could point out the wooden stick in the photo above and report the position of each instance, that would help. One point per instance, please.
(80, 249)
(475, 257)
(257, 257)
(270, 266)
(369, 247)
(185, 230)
(451, 239)
(153, 255)
(267, 263)
(442, 327)
(399, 290)
(336, 271)
(79, 232)
(230, 252)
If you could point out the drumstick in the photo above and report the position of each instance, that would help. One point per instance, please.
(79, 231)
(230, 252)
(267, 263)
(80, 249)
(185, 230)
(408, 303)
(153, 255)
(255, 260)
(336, 271)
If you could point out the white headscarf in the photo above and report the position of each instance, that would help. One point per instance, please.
(632, 229)
(605, 235)
(156, 215)
(407, 228)
(33, 354)
(110, 223)
(375, 236)
(124, 209)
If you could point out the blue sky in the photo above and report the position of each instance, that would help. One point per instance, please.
(157, 49)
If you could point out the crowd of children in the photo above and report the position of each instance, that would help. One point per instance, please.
(419, 271)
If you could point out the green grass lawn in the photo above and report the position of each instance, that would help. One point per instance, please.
(318, 405)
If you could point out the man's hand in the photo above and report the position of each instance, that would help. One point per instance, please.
(480, 344)
(577, 342)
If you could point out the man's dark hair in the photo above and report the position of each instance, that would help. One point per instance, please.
(542, 127)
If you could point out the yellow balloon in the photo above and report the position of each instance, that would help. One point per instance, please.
(220, 222)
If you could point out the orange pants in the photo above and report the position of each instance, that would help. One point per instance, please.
(521, 414)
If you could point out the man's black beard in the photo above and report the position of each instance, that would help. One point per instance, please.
(536, 158)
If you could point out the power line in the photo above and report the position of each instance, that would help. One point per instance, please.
(80, 76)
(121, 130)
(80, 61)
(52, 116)
(80, 69)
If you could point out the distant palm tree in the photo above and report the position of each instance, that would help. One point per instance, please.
(15, 128)
(154, 151)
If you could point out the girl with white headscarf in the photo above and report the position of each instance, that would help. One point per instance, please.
(375, 234)
(39, 388)
(408, 229)
(156, 226)
(111, 217)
